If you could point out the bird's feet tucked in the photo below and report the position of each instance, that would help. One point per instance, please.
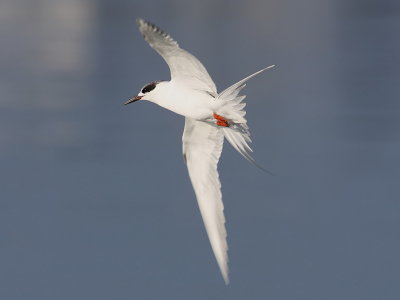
(220, 121)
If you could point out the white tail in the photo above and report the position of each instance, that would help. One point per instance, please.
(232, 109)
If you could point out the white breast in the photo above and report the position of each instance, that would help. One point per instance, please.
(195, 104)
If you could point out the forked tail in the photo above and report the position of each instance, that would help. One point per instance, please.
(232, 108)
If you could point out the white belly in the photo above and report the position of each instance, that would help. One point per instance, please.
(194, 104)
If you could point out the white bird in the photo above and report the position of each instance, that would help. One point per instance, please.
(209, 117)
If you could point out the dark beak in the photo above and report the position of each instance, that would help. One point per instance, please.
(134, 99)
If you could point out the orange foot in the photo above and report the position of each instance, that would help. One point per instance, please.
(221, 121)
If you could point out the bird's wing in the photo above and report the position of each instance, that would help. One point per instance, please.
(182, 64)
(202, 146)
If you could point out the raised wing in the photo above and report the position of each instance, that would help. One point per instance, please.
(182, 64)
(202, 146)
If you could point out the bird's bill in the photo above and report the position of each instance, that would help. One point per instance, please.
(134, 99)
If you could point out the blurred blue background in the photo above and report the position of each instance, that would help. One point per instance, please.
(95, 201)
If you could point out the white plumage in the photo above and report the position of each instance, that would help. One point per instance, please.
(209, 117)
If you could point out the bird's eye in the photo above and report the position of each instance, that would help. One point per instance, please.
(148, 88)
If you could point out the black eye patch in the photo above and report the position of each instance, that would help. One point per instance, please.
(149, 87)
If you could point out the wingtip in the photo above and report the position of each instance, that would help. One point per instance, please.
(139, 21)
(223, 267)
(142, 23)
(226, 278)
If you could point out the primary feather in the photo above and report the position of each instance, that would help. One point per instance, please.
(182, 64)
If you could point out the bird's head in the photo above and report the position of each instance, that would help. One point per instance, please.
(148, 92)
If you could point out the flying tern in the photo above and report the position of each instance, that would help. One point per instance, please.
(209, 118)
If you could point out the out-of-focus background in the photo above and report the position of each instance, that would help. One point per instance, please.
(95, 201)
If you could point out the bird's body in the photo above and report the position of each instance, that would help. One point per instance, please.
(209, 118)
(174, 96)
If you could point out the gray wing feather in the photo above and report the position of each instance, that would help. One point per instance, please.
(182, 64)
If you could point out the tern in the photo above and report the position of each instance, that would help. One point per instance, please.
(209, 118)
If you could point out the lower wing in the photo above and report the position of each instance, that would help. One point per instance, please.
(202, 147)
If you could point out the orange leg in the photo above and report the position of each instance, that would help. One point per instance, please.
(221, 121)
